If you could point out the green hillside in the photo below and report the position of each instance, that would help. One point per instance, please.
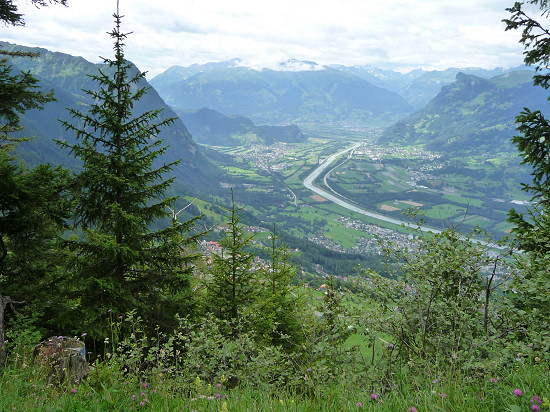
(67, 76)
(281, 97)
(213, 128)
(471, 115)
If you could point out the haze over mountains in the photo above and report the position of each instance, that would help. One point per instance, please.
(226, 103)
(471, 115)
(68, 76)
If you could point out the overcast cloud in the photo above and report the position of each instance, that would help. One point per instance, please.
(429, 34)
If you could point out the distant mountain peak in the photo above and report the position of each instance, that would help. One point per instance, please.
(293, 65)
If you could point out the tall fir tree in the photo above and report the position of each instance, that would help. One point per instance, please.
(120, 262)
(276, 322)
(532, 282)
(233, 287)
(33, 202)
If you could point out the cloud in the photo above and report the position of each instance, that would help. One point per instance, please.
(423, 33)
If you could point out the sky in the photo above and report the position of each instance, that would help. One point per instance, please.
(397, 34)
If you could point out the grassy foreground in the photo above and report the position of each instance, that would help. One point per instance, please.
(24, 388)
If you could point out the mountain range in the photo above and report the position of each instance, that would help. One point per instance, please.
(318, 95)
(471, 115)
(221, 103)
(212, 128)
(67, 76)
(304, 92)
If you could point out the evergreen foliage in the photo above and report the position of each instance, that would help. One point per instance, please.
(9, 12)
(233, 286)
(19, 92)
(33, 202)
(532, 286)
(276, 320)
(120, 263)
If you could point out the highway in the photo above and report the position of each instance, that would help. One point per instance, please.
(310, 179)
(309, 184)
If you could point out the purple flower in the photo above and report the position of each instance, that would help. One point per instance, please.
(373, 396)
(443, 395)
(359, 404)
(493, 380)
(309, 369)
(218, 396)
(84, 334)
(218, 385)
(134, 397)
(73, 391)
(142, 393)
(518, 392)
(435, 381)
(535, 407)
(224, 396)
(536, 399)
(412, 409)
(144, 385)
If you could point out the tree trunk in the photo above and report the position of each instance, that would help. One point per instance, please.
(4, 301)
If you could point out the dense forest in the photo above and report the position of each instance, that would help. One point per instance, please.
(101, 256)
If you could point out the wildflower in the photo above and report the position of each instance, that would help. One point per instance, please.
(218, 385)
(535, 407)
(412, 409)
(84, 334)
(518, 392)
(145, 385)
(493, 380)
(435, 381)
(309, 369)
(224, 407)
(536, 399)
(73, 391)
(224, 396)
(359, 404)
(142, 393)
(537, 359)
(373, 396)
(443, 395)
(134, 397)
(218, 396)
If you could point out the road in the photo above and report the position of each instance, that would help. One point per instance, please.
(308, 183)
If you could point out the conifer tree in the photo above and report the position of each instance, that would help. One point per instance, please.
(33, 202)
(121, 263)
(276, 322)
(232, 288)
(532, 283)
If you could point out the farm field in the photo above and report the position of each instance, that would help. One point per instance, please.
(462, 192)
